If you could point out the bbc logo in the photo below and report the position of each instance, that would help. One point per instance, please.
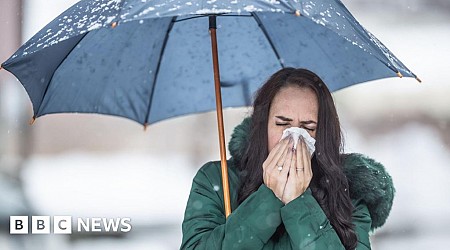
(40, 224)
(63, 225)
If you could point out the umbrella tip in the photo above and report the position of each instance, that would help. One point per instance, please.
(418, 79)
(114, 24)
(145, 126)
(297, 13)
(32, 120)
(399, 74)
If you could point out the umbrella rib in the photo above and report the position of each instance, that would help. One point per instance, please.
(189, 18)
(231, 15)
(266, 34)
(199, 16)
(166, 38)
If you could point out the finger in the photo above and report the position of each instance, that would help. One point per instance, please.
(300, 168)
(278, 161)
(277, 152)
(279, 165)
(306, 160)
(274, 154)
(287, 159)
(292, 163)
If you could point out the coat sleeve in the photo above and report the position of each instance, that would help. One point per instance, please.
(250, 226)
(309, 228)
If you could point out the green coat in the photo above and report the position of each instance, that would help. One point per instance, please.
(252, 223)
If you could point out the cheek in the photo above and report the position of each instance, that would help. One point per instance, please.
(272, 142)
(273, 137)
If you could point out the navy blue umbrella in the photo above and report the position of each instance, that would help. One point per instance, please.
(149, 60)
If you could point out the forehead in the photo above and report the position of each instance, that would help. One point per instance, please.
(295, 102)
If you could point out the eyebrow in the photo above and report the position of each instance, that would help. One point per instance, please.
(284, 118)
(290, 120)
(308, 122)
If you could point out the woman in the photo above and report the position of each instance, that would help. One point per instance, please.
(284, 198)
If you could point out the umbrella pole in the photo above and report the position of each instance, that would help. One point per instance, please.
(223, 156)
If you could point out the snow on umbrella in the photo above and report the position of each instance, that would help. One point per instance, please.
(149, 60)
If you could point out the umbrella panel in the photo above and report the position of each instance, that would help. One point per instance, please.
(106, 74)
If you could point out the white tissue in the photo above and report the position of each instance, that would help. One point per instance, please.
(296, 132)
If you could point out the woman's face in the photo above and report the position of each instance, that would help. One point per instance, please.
(292, 106)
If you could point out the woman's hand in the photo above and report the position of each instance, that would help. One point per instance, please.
(276, 166)
(300, 173)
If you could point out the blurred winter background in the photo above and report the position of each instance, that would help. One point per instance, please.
(99, 166)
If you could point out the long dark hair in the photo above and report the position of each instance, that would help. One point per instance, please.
(329, 184)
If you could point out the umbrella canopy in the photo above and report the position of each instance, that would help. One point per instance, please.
(149, 60)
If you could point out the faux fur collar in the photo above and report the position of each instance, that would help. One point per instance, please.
(368, 179)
